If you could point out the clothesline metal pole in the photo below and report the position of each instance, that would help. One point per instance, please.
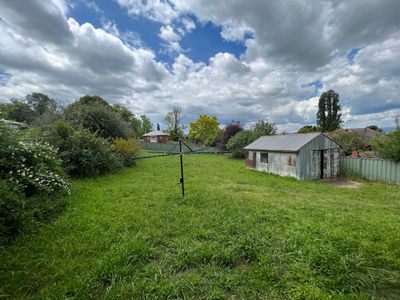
(181, 158)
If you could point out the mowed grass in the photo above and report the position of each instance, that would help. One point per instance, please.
(237, 234)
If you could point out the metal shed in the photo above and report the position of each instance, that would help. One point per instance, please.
(303, 156)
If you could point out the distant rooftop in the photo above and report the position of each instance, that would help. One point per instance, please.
(155, 133)
(284, 142)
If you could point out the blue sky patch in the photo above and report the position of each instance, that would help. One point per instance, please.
(317, 84)
(4, 78)
(352, 54)
(205, 41)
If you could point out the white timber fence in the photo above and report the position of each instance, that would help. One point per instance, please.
(371, 168)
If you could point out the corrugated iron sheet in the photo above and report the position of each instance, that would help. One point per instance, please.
(285, 142)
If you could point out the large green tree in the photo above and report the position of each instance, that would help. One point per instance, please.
(37, 109)
(262, 128)
(328, 115)
(174, 121)
(95, 114)
(204, 130)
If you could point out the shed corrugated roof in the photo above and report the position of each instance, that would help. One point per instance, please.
(284, 142)
(155, 132)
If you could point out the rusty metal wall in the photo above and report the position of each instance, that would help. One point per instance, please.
(308, 166)
(279, 163)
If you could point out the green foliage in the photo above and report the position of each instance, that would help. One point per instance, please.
(374, 127)
(11, 211)
(96, 115)
(204, 130)
(32, 167)
(388, 146)
(328, 115)
(139, 126)
(262, 128)
(146, 125)
(239, 141)
(37, 109)
(174, 123)
(349, 141)
(85, 154)
(18, 111)
(18, 213)
(126, 150)
(41, 104)
(237, 233)
(308, 129)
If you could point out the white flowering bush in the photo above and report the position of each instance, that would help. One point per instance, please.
(31, 167)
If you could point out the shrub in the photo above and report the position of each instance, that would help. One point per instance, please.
(388, 146)
(349, 141)
(11, 212)
(239, 141)
(32, 167)
(85, 154)
(126, 150)
(18, 213)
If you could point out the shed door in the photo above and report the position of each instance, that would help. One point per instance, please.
(316, 164)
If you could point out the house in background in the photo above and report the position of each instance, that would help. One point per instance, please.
(303, 156)
(156, 136)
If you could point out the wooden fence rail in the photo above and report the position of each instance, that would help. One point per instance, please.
(371, 168)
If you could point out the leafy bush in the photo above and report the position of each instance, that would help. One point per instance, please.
(239, 141)
(127, 150)
(349, 141)
(18, 213)
(85, 154)
(11, 213)
(388, 146)
(31, 166)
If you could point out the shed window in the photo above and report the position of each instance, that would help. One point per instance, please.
(264, 157)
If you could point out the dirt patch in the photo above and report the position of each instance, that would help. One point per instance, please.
(343, 183)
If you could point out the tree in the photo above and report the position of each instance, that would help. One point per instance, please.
(41, 103)
(349, 141)
(125, 114)
(328, 115)
(262, 128)
(388, 146)
(158, 126)
(147, 126)
(374, 127)
(37, 109)
(95, 114)
(204, 130)
(307, 129)
(174, 123)
(229, 131)
(18, 111)
(239, 141)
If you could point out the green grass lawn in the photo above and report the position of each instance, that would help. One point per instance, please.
(237, 234)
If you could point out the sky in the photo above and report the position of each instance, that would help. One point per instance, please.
(234, 59)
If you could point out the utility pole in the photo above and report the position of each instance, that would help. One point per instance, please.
(181, 158)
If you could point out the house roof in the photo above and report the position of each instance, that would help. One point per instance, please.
(285, 142)
(155, 133)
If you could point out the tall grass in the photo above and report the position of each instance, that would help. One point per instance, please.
(237, 234)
